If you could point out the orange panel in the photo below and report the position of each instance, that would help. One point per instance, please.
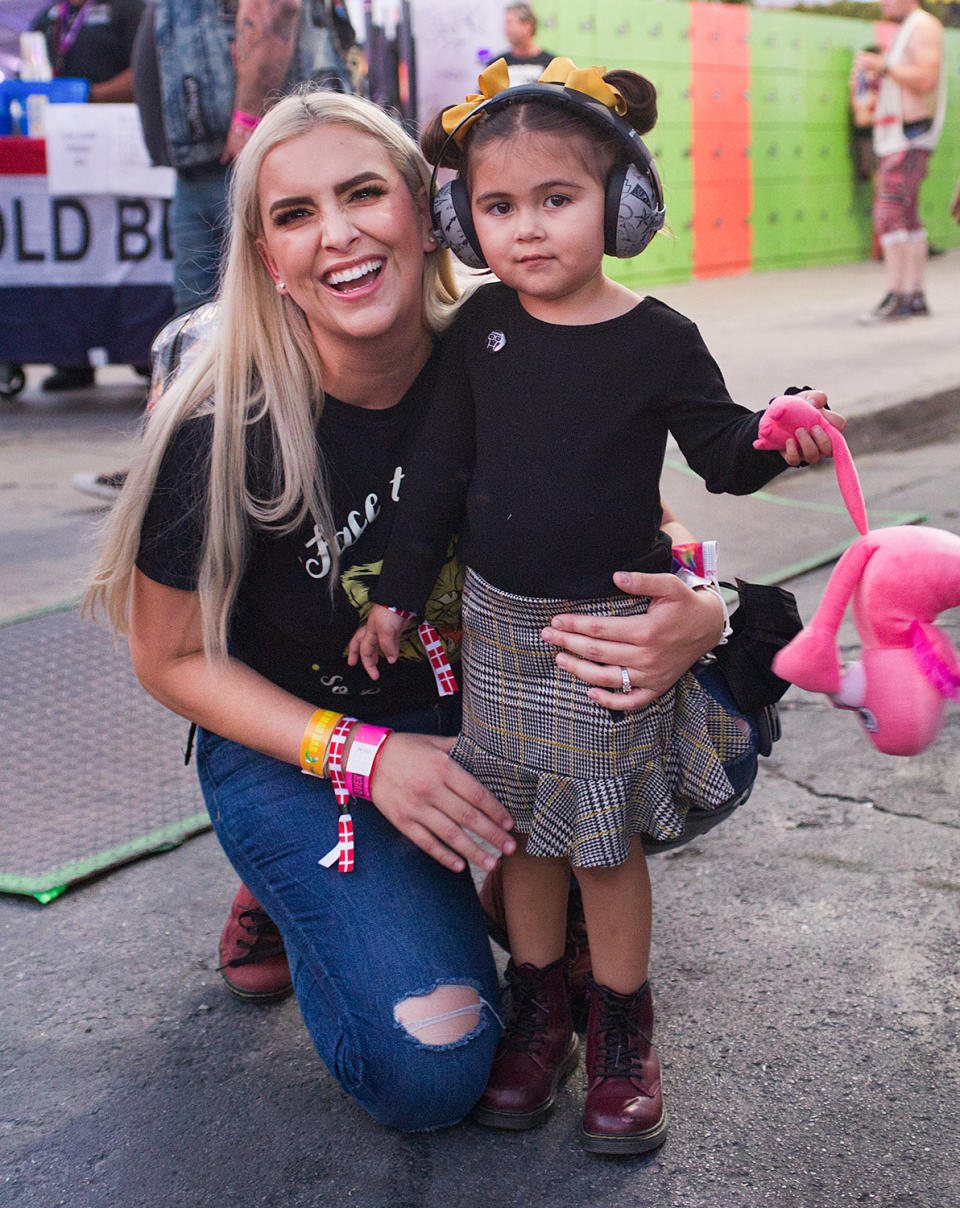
(721, 153)
(721, 229)
(719, 34)
(720, 117)
(720, 94)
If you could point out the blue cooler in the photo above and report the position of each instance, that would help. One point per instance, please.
(66, 90)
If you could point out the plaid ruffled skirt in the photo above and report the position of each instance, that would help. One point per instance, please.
(580, 780)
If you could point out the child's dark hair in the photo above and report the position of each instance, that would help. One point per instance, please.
(531, 116)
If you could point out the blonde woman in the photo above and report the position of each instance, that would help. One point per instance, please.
(238, 560)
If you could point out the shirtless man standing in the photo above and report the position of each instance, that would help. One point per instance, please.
(907, 122)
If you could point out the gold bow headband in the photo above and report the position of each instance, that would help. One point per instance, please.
(495, 79)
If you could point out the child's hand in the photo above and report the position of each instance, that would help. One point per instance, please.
(790, 425)
(381, 634)
(810, 445)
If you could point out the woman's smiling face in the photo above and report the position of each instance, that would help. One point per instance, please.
(343, 233)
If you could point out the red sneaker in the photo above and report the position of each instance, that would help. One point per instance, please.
(252, 959)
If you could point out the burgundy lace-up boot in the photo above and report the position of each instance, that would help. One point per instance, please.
(252, 959)
(537, 1050)
(577, 955)
(624, 1108)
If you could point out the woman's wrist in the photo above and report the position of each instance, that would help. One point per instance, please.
(344, 749)
(718, 610)
(696, 565)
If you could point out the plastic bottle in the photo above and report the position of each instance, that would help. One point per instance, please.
(34, 60)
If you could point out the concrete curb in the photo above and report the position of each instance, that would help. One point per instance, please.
(907, 425)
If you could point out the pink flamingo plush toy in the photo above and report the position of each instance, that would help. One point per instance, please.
(900, 580)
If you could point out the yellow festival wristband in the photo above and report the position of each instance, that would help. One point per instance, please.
(316, 739)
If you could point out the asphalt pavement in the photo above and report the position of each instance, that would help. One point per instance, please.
(805, 956)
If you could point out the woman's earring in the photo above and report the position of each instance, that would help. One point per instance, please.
(281, 287)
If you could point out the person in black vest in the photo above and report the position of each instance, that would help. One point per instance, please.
(201, 83)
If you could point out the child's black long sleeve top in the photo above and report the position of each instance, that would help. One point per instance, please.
(544, 446)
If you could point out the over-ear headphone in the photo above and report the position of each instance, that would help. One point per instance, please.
(633, 209)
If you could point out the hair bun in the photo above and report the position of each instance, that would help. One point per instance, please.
(640, 96)
(434, 143)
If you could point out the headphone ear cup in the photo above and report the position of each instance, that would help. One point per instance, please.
(633, 212)
(611, 208)
(453, 223)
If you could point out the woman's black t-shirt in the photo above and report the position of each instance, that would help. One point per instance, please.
(285, 624)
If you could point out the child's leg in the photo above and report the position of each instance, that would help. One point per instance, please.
(623, 1112)
(535, 892)
(539, 1046)
(618, 907)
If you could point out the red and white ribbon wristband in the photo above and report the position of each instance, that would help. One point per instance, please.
(352, 780)
(436, 655)
(334, 760)
(342, 853)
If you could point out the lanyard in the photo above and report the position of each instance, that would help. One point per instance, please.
(67, 30)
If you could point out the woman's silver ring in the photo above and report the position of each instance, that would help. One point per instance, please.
(625, 680)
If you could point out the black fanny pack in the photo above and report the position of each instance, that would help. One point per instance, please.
(765, 620)
(915, 129)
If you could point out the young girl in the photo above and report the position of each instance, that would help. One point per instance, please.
(547, 514)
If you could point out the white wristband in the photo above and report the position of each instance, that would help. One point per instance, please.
(692, 580)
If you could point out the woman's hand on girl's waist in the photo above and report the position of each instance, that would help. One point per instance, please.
(654, 648)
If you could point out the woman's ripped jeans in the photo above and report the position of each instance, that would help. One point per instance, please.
(390, 962)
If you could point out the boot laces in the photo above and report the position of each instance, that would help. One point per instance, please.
(266, 941)
(526, 1027)
(618, 1040)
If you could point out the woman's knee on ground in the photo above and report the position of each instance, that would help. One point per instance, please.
(441, 1068)
(397, 1078)
(443, 1016)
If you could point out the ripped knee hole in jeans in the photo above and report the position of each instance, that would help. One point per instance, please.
(446, 1015)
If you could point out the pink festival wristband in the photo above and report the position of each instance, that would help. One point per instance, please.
(364, 749)
(246, 120)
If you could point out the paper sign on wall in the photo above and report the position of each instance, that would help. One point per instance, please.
(96, 149)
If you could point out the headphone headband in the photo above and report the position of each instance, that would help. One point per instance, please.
(461, 236)
(563, 98)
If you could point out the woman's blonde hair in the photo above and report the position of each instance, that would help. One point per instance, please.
(261, 364)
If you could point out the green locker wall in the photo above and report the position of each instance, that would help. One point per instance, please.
(807, 209)
(806, 206)
(650, 36)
